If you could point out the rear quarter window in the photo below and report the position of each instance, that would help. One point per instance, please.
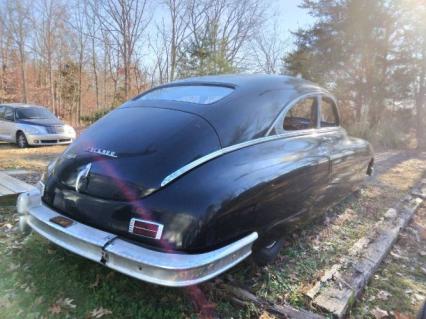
(199, 94)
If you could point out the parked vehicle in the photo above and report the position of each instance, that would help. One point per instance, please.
(188, 179)
(26, 125)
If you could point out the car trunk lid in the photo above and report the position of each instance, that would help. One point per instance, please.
(130, 151)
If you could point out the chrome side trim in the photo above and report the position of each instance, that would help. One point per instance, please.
(225, 150)
(162, 268)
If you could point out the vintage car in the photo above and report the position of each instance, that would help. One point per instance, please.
(188, 179)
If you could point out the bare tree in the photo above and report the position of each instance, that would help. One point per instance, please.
(125, 21)
(48, 23)
(178, 11)
(267, 49)
(17, 22)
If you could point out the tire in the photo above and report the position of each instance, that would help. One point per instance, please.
(266, 251)
(21, 140)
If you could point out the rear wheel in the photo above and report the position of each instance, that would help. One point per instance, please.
(266, 251)
(21, 140)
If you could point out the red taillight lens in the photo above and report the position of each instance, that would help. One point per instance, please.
(145, 228)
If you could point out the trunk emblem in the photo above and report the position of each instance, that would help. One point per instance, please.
(82, 175)
(145, 228)
(102, 152)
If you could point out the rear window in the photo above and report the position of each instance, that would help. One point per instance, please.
(200, 94)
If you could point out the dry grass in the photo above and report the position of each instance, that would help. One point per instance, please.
(33, 158)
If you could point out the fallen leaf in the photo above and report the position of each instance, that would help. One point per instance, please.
(67, 303)
(401, 316)
(265, 315)
(96, 283)
(383, 295)
(397, 256)
(39, 301)
(379, 313)
(55, 309)
(100, 312)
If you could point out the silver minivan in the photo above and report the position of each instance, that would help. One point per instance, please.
(26, 125)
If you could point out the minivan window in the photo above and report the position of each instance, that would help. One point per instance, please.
(329, 116)
(302, 116)
(8, 114)
(200, 94)
(29, 113)
(2, 112)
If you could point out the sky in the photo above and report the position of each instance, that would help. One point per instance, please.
(290, 16)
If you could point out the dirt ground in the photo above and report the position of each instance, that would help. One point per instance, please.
(396, 290)
(33, 158)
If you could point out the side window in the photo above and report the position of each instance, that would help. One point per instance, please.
(329, 117)
(302, 116)
(2, 112)
(8, 114)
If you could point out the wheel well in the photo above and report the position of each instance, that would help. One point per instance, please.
(17, 133)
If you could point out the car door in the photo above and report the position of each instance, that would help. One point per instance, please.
(9, 124)
(295, 194)
(345, 165)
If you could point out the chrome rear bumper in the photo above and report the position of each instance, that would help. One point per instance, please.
(167, 269)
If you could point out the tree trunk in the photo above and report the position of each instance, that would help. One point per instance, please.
(95, 73)
(24, 84)
(420, 130)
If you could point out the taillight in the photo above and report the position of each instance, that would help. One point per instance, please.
(145, 228)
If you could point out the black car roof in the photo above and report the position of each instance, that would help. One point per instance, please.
(259, 81)
(246, 113)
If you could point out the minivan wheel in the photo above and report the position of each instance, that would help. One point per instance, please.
(264, 253)
(21, 140)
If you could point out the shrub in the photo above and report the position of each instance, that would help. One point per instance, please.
(89, 119)
(387, 134)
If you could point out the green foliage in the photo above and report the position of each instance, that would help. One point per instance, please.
(89, 119)
(350, 50)
(389, 133)
(205, 56)
(69, 90)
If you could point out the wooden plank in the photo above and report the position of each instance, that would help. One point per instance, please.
(5, 191)
(340, 286)
(283, 311)
(13, 184)
(14, 172)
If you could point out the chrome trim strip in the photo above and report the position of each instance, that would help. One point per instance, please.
(186, 168)
(167, 269)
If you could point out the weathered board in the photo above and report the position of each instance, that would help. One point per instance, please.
(11, 186)
(342, 284)
(281, 311)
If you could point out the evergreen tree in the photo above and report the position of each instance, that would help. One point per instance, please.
(350, 49)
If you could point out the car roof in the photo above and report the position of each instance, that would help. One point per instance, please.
(260, 81)
(246, 113)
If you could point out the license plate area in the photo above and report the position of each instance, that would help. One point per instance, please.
(62, 221)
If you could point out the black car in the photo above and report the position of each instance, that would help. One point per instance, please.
(186, 180)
